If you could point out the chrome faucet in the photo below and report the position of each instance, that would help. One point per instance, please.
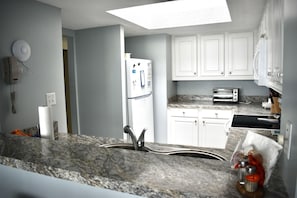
(138, 144)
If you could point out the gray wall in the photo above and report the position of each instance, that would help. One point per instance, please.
(289, 107)
(70, 35)
(247, 87)
(158, 49)
(40, 25)
(22, 184)
(99, 54)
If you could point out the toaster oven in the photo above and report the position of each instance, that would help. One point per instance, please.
(225, 95)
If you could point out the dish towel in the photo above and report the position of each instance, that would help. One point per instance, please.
(268, 148)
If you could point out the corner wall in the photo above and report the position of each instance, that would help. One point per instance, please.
(289, 107)
(99, 56)
(40, 25)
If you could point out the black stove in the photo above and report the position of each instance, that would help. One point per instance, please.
(256, 121)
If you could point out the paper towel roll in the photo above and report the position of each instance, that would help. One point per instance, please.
(45, 122)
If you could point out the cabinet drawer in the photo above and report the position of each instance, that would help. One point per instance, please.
(184, 112)
(212, 113)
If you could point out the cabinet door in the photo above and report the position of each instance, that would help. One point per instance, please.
(184, 58)
(240, 55)
(212, 133)
(212, 55)
(183, 130)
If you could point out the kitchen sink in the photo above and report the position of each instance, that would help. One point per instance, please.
(199, 154)
(167, 150)
(124, 146)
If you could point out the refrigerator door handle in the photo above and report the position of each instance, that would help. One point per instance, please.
(142, 96)
(142, 78)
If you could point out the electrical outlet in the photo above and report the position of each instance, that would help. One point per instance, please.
(50, 99)
(288, 139)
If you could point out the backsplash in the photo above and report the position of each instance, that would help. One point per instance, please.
(246, 87)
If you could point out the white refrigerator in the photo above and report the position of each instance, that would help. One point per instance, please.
(140, 97)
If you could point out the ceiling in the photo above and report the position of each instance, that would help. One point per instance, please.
(82, 14)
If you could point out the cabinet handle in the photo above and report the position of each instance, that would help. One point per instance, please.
(195, 122)
(279, 74)
(203, 122)
(216, 114)
(269, 73)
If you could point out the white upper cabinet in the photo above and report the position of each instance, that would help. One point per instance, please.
(184, 57)
(240, 55)
(212, 56)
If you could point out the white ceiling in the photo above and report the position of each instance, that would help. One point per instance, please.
(81, 14)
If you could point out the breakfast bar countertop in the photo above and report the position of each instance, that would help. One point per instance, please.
(81, 159)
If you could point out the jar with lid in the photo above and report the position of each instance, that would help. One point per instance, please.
(251, 179)
(242, 164)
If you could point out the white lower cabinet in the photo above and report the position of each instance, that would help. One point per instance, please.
(209, 129)
(183, 127)
(213, 127)
(184, 131)
(212, 133)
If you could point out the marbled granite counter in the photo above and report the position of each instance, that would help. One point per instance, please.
(238, 108)
(81, 159)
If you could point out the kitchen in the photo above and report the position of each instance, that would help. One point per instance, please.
(46, 58)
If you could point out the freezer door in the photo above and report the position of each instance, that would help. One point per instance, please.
(139, 77)
(141, 116)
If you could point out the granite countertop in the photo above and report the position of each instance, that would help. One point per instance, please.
(244, 107)
(82, 159)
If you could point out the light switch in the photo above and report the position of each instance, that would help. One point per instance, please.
(288, 139)
(50, 99)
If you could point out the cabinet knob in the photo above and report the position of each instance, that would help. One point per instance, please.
(269, 73)
(222, 73)
(195, 122)
(203, 122)
(195, 73)
(230, 73)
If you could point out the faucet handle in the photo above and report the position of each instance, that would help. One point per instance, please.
(140, 141)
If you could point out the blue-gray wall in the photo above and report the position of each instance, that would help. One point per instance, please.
(40, 25)
(23, 184)
(247, 87)
(289, 107)
(99, 56)
(158, 49)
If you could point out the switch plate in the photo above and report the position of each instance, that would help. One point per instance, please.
(50, 99)
(288, 139)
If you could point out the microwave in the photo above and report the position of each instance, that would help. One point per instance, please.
(225, 95)
(260, 62)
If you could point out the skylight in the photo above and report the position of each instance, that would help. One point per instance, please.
(177, 13)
